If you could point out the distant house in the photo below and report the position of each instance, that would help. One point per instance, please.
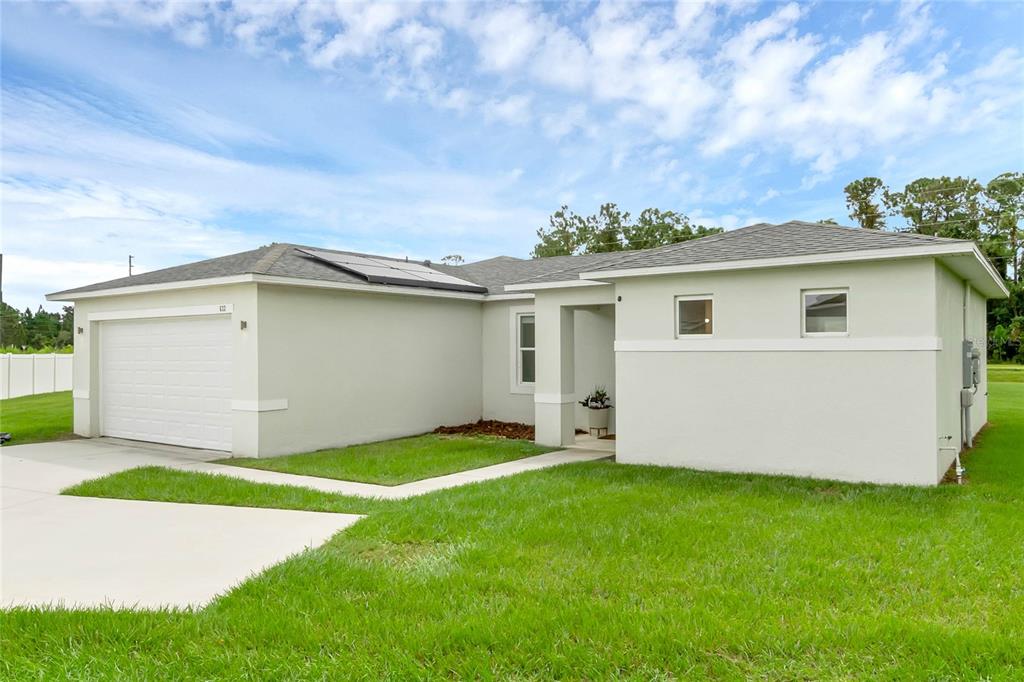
(799, 348)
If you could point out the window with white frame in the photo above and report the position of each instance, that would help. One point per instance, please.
(825, 312)
(694, 315)
(526, 350)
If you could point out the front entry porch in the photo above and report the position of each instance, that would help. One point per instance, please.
(575, 349)
(586, 441)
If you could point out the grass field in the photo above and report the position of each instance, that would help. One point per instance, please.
(1006, 372)
(599, 571)
(392, 462)
(34, 418)
(169, 485)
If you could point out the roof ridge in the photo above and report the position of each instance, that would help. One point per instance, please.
(567, 268)
(890, 234)
(628, 256)
(364, 254)
(690, 242)
(273, 254)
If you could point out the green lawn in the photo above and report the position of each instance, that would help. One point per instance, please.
(600, 571)
(392, 462)
(34, 418)
(1007, 372)
(169, 485)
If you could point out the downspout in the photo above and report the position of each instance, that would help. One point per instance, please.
(966, 395)
(965, 410)
(958, 469)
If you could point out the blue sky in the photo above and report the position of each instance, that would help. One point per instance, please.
(176, 132)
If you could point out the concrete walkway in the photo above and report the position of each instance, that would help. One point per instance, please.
(83, 551)
(398, 492)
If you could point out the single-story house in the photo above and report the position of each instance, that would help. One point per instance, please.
(799, 348)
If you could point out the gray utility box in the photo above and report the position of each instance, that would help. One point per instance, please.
(971, 359)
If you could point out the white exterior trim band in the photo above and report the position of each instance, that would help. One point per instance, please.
(265, 279)
(147, 288)
(562, 284)
(710, 345)
(183, 311)
(80, 394)
(509, 297)
(259, 405)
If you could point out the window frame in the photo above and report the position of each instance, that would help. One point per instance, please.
(803, 312)
(693, 297)
(516, 383)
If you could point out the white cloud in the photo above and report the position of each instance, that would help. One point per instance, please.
(458, 99)
(559, 124)
(85, 192)
(662, 171)
(694, 18)
(506, 36)
(563, 60)
(364, 26)
(422, 43)
(514, 109)
(186, 21)
(768, 195)
(635, 67)
(732, 79)
(825, 105)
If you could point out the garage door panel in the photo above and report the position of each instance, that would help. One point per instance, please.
(167, 380)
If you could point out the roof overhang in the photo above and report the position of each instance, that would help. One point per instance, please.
(72, 295)
(264, 279)
(562, 284)
(964, 259)
(521, 296)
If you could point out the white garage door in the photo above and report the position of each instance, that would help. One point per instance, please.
(167, 380)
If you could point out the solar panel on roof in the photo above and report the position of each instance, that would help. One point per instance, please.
(383, 271)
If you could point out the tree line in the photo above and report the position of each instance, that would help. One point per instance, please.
(39, 332)
(962, 208)
(612, 229)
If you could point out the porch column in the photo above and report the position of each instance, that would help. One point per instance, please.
(554, 408)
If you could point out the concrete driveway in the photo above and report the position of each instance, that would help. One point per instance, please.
(82, 552)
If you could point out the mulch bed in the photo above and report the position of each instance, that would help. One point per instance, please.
(489, 427)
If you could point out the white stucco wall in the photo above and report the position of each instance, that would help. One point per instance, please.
(949, 298)
(977, 329)
(950, 291)
(242, 298)
(501, 399)
(358, 367)
(594, 360)
(759, 397)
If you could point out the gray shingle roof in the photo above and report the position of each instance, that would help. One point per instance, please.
(755, 241)
(497, 273)
(763, 240)
(273, 259)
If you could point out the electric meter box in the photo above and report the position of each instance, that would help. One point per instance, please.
(967, 359)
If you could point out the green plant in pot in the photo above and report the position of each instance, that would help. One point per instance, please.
(598, 403)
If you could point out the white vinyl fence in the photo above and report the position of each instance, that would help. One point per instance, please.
(31, 374)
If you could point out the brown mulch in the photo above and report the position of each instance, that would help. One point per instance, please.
(489, 427)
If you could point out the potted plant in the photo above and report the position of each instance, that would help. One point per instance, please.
(597, 403)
